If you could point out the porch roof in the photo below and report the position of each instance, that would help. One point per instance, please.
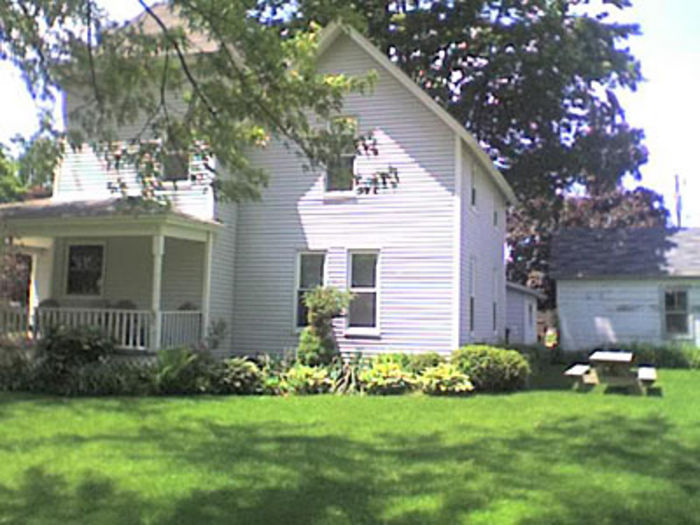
(106, 217)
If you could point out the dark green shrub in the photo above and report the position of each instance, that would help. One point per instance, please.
(67, 347)
(417, 363)
(317, 344)
(184, 371)
(445, 379)
(672, 355)
(386, 378)
(239, 375)
(18, 371)
(492, 369)
(302, 379)
(111, 378)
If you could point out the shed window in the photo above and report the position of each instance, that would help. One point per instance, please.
(363, 285)
(310, 275)
(85, 269)
(676, 307)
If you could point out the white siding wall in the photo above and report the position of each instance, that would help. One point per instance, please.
(182, 274)
(411, 226)
(521, 328)
(222, 273)
(593, 313)
(83, 175)
(482, 255)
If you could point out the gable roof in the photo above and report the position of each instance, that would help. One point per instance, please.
(581, 253)
(331, 33)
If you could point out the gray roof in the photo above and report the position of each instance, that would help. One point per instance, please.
(580, 253)
(49, 208)
(519, 288)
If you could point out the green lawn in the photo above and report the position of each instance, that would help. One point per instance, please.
(538, 457)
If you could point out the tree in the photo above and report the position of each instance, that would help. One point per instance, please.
(531, 227)
(241, 83)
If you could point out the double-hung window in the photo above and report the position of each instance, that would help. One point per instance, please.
(340, 171)
(85, 269)
(364, 285)
(676, 312)
(310, 274)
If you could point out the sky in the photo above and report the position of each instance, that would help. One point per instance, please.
(666, 105)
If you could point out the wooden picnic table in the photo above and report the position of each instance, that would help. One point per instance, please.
(614, 368)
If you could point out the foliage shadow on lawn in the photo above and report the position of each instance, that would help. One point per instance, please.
(563, 471)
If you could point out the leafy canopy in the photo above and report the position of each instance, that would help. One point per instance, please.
(238, 82)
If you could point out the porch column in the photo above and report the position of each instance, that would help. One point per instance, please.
(158, 249)
(206, 282)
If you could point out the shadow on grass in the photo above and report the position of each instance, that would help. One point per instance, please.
(607, 468)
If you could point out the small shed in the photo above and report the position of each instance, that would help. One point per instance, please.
(521, 313)
(627, 285)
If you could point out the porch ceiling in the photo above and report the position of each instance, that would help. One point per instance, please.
(100, 218)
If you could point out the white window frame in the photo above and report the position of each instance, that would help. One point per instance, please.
(472, 294)
(352, 192)
(365, 331)
(673, 335)
(297, 277)
(66, 266)
(473, 193)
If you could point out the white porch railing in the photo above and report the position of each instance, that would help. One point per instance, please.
(180, 328)
(130, 329)
(14, 321)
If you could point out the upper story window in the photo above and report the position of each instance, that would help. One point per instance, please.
(473, 185)
(175, 166)
(310, 274)
(340, 171)
(676, 312)
(85, 269)
(364, 277)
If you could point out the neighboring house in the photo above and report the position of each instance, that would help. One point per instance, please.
(521, 314)
(629, 285)
(425, 260)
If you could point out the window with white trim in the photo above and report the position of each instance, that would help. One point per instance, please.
(472, 292)
(85, 269)
(175, 166)
(340, 172)
(676, 312)
(364, 277)
(310, 274)
(473, 185)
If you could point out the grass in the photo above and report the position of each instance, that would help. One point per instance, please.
(537, 457)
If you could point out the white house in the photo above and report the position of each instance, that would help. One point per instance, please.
(627, 285)
(521, 313)
(425, 260)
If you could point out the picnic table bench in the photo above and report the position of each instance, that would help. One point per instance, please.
(613, 368)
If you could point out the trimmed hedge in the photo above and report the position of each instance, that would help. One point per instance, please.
(492, 369)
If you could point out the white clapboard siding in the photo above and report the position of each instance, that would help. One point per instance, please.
(482, 246)
(182, 274)
(522, 328)
(411, 226)
(222, 273)
(594, 313)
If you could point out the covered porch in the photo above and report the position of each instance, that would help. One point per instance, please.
(139, 275)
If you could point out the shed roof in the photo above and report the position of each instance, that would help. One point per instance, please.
(580, 253)
(526, 290)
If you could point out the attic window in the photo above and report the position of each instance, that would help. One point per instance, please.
(676, 310)
(340, 171)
